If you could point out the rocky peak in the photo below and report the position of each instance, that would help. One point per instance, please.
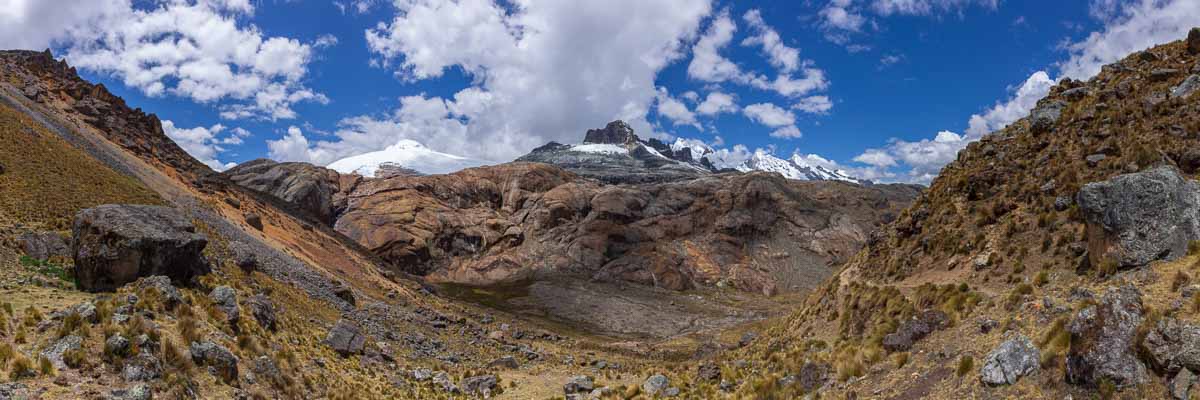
(616, 132)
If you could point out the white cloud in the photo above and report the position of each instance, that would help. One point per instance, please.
(769, 114)
(707, 63)
(326, 40)
(675, 110)
(787, 132)
(716, 103)
(840, 18)
(889, 60)
(785, 59)
(1136, 25)
(204, 143)
(876, 158)
(814, 105)
(928, 7)
(1017, 107)
(197, 49)
(589, 62)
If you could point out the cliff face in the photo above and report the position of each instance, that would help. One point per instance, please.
(758, 232)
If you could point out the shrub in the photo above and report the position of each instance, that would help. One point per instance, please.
(1180, 280)
(965, 365)
(32, 316)
(189, 329)
(6, 353)
(901, 359)
(69, 324)
(1041, 279)
(45, 366)
(20, 368)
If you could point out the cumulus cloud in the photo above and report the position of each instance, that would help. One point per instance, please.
(708, 65)
(814, 105)
(787, 132)
(839, 19)
(675, 110)
(205, 143)
(928, 7)
(785, 59)
(197, 49)
(589, 62)
(769, 114)
(716, 103)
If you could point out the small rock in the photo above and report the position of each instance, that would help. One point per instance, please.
(1162, 74)
(671, 392)
(1006, 364)
(709, 372)
(263, 310)
(988, 325)
(443, 380)
(1186, 88)
(1095, 159)
(655, 384)
(1173, 345)
(747, 338)
(1046, 114)
(225, 299)
(346, 339)
(422, 374)
(218, 357)
(254, 220)
(117, 345)
(140, 391)
(913, 330)
(55, 352)
(506, 362)
(142, 367)
(344, 292)
(481, 385)
(1062, 203)
(579, 384)
(1181, 385)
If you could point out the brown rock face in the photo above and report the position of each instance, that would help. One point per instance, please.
(518, 221)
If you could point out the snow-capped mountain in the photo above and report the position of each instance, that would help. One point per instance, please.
(405, 154)
(808, 168)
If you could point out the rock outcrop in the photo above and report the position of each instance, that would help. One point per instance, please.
(313, 189)
(1137, 218)
(506, 223)
(117, 244)
(1102, 341)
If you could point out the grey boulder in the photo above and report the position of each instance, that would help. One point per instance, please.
(1102, 339)
(346, 339)
(1016, 357)
(116, 244)
(1138, 218)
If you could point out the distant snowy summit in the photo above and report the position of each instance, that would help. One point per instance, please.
(404, 156)
(616, 155)
(613, 154)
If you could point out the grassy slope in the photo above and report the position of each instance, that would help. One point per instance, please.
(46, 180)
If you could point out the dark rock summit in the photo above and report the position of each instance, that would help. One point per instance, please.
(116, 244)
(616, 132)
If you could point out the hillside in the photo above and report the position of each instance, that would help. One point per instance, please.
(1066, 236)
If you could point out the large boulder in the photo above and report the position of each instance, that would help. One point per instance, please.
(1046, 114)
(1137, 218)
(225, 299)
(1016, 357)
(1102, 341)
(116, 244)
(1173, 345)
(263, 310)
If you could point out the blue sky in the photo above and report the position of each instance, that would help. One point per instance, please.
(891, 84)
